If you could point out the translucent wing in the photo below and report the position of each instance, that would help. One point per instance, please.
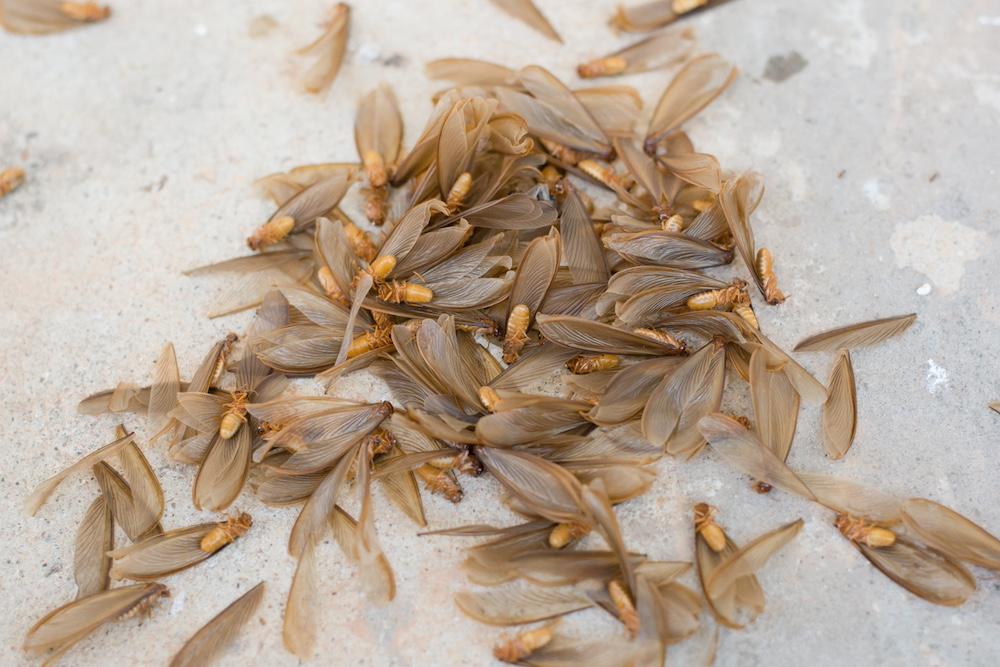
(840, 412)
(583, 334)
(857, 335)
(629, 390)
(548, 489)
(213, 638)
(329, 50)
(663, 248)
(535, 272)
(775, 404)
(299, 631)
(94, 538)
(526, 12)
(470, 72)
(223, 472)
(749, 559)
(694, 87)
(310, 526)
(164, 388)
(583, 254)
(952, 533)
(161, 555)
(662, 50)
(514, 606)
(926, 573)
(378, 126)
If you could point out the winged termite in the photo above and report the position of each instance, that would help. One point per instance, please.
(11, 178)
(694, 87)
(329, 50)
(662, 50)
(654, 14)
(40, 17)
(583, 364)
(852, 336)
(951, 533)
(134, 497)
(215, 636)
(303, 209)
(94, 538)
(536, 271)
(590, 336)
(56, 632)
(378, 135)
(523, 645)
(662, 248)
(840, 412)
(176, 550)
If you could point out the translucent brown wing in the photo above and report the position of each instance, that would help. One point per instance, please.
(530, 422)
(378, 126)
(750, 558)
(317, 199)
(299, 631)
(663, 248)
(852, 336)
(615, 109)
(164, 388)
(548, 489)
(405, 233)
(775, 404)
(421, 156)
(223, 472)
(699, 169)
(809, 388)
(583, 254)
(853, 499)
(548, 117)
(213, 637)
(310, 526)
(662, 50)
(515, 211)
(597, 505)
(583, 334)
(526, 12)
(515, 606)
(471, 72)
(329, 50)
(746, 453)
(693, 390)
(94, 538)
(401, 489)
(654, 14)
(535, 272)
(694, 87)
(534, 366)
(736, 605)
(840, 412)
(926, 573)
(950, 532)
(63, 627)
(161, 555)
(377, 576)
(45, 489)
(629, 390)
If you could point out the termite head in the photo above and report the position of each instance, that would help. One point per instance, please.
(271, 232)
(375, 168)
(610, 66)
(238, 525)
(459, 191)
(705, 525)
(382, 266)
(380, 441)
(385, 409)
(564, 534)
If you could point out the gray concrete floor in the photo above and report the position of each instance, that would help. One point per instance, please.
(141, 137)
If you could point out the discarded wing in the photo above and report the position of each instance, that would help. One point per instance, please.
(853, 336)
(218, 633)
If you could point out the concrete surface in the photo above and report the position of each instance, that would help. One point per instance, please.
(876, 125)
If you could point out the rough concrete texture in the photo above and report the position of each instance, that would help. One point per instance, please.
(876, 125)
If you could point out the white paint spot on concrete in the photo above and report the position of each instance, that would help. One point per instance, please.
(924, 289)
(368, 53)
(178, 603)
(937, 377)
(798, 184)
(766, 144)
(937, 248)
(873, 191)
(200, 29)
(992, 21)
(859, 43)
(987, 94)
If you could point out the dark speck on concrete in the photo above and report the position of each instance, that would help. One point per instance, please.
(395, 60)
(782, 67)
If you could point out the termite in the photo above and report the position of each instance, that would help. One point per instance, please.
(379, 441)
(226, 533)
(381, 267)
(370, 340)
(517, 332)
(517, 648)
(440, 482)
(235, 415)
(718, 298)
(10, 179)
(459, 191)
(859, 530)
(765, 271)
(583, 364)
(271, 232)
(86, 12)
(330, 286)
(376, 200)
(673, 224)
(489, 397)
(761, 487)
(684, 6)
(220, 363)
(660, 335)
(744, 309)
(605, 174)
(609, 66)
(704, 524)
(375, 169)
(404, 292)
(360, 243)
(624, 606)
(565, 534)
(562, 153)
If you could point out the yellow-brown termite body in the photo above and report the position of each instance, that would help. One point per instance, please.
(761, 487)
(517, 332)
(624, 606)
(440, 482)
(85, 12)
(564, 534)
(517, 648)
(376, 202)
(604, 174)
(582, 364)
(360, 243)
(489, 397)
(859, 530)
(459, 191)
(743, 308)
(562, 153)
(330, 286)
(271, 232)
(226, 532)
(10, 179)
(381, 267)
(684, 6)
(725, 297)
(370, 340)
(609, 66)
(379, 442)
(235, 415)
(764, 266)
(403, 292)
(704, 524)
(673, 224)
(223, 360)
(375, 169)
